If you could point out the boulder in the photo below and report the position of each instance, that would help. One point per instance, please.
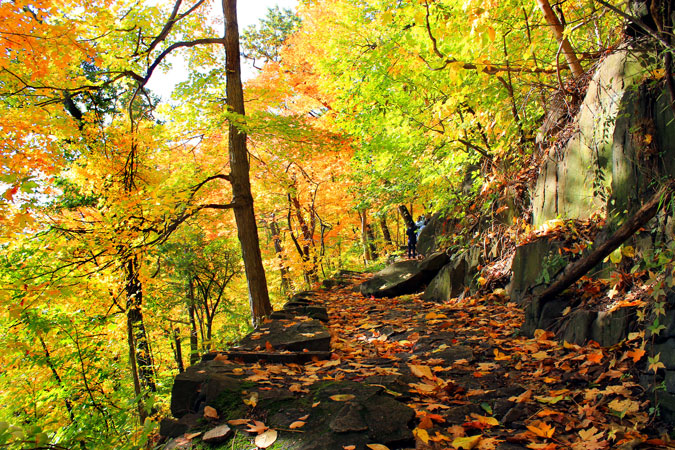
(404, 277)
(454, 277)
(611, 327)
(199, 385)
(577, 327)
(534, 265)
(427, 241)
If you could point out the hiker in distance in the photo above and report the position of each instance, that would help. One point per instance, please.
(412, 241)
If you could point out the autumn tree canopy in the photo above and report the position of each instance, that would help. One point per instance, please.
(121, 207)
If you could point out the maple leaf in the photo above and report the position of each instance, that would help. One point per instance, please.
(623, 407)
(541, 429)
(257, 427)
(636, 354)
(595, 357)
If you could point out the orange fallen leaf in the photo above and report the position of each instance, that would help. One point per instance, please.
(238, 421)
(210, 412)
(377, 447)
(541, 429)
(421, 371)
(349, 447)
(636, 354)
(257, 427)
(296, 424)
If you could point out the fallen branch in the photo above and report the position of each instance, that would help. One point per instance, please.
(579, 268)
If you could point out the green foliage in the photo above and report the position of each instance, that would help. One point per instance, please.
(264, 41)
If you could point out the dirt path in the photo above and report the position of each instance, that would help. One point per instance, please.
(461, 366)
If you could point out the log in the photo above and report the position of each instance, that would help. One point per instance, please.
(579, 268)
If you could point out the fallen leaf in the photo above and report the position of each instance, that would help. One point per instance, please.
(305, 417)
(342, 397)
(252, 400)
(466, 443)
(421, 371)
(210, 412)
(421, 434)
(269, 347)
(349, 447)
(522, 398)
(257, 427)
(191, 436)
(296, 424)
(624, 406)
(541, 429)
(636, 354)
(266, 439)
(491, 421)
(238, 421)
(377, 447)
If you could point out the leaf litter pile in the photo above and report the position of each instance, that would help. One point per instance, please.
(472, 381)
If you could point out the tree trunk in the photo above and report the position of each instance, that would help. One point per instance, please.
(407, 217)
(247, 229)
(134, 294)
(279, 250)
(559, 33)
(371, 241)
(178, 350)
(577, 269)
(194, 340)
(385, 229)
(367, 251)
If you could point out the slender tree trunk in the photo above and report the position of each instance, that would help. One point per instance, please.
(178, 350)
(371, 241)
(247, 229)
(279, 250)
(142, 353)
(367, 252)
(385, 229)
(559, 32)
(194, 339)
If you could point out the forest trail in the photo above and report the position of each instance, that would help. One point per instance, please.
(470, 379)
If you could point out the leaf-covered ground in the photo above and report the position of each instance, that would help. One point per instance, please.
(472, 380)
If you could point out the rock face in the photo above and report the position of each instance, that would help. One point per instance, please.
(454, 277)
(573, 183)
(404, 277)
